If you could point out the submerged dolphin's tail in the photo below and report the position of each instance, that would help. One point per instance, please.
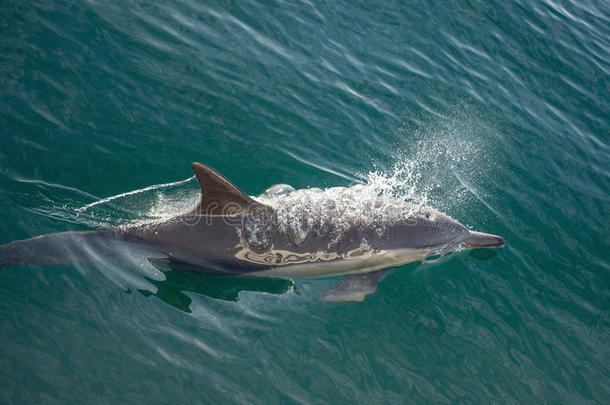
(49, 250)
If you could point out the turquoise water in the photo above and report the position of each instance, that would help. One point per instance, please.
(494, 112)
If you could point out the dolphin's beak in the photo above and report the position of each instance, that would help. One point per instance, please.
(474, 240)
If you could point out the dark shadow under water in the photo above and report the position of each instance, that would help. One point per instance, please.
(225, 287)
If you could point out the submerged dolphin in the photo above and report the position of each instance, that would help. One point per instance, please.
(298, 234)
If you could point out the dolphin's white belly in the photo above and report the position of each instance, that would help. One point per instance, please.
(344, 266)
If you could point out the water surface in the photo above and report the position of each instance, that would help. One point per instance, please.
(493, 112)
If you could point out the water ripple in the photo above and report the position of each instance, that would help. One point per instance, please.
(496, 113)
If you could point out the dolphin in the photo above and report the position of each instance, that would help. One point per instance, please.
(312, 233)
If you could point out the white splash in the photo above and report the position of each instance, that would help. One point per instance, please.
(335, 210)
(154, 187)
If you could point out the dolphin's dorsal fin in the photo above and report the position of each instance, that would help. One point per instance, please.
(218, 195)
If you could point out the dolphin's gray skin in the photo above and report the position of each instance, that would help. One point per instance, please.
(300, 234)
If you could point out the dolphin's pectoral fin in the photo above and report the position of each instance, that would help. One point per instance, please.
(163, 264)
(353, 288)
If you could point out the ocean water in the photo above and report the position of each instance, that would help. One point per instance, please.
(494, 112)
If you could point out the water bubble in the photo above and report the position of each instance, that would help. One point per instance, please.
(299, 223)
(258, 230)
(364, 242)
(279, 189)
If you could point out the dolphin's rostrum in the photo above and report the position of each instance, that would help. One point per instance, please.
(293, 234)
